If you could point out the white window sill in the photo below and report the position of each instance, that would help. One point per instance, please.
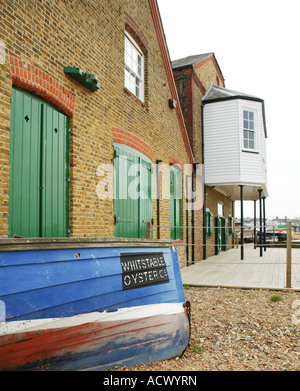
(250, 151)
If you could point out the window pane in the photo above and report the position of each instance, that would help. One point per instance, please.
(134, 63)
(220, 209)
(251, 115)
(251, 135)
(137, 89)
(245, 124)
(251, 144)
(127, 79)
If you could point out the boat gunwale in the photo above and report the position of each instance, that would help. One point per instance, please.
(21, 244)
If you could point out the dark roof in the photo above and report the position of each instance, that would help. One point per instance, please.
(216, 92)
(190, 60)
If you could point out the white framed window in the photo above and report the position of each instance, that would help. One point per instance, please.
(134, 68)
(248, 130)
(220, 208)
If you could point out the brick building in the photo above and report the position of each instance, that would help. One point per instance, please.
(93, 140)
(227, 132)
(85, 84)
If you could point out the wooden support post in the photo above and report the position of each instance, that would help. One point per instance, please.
(289, 254)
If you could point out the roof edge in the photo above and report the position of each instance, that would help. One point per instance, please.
(167, 63)
(244, 97)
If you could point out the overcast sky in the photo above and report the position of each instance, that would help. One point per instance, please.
(256, 44)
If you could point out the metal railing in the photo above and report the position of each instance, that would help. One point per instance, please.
(261, 237)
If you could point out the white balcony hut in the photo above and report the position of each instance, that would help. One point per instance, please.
(234, 138)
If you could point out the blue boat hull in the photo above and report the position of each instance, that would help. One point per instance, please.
(90, 307)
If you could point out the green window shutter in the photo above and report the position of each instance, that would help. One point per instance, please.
(133, 205)
(54, 173)
(175, 203)
(25, 155)
(38, 167)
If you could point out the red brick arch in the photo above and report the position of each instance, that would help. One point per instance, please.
(129, 139)
(173, 160)
(35, 80)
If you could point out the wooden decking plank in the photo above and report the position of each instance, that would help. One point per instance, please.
(227, 269)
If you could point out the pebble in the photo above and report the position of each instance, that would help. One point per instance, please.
(230, 325)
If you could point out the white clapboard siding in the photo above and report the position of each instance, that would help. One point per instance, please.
(225, 159)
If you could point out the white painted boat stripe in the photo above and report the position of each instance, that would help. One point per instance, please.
(143, 311)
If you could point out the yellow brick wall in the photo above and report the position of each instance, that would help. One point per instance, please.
(90, 35)
(208, 73)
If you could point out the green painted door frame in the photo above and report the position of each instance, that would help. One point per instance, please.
(39, 155)
(133, 206)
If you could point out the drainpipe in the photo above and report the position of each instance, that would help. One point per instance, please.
(203, 178)
(187, 219)
(158, 195)
(193, 213)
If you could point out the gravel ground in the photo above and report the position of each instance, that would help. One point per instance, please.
(238, 330)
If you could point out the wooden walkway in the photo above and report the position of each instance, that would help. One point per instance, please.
(228, 270)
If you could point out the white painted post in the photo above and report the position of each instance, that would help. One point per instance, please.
(288, 254)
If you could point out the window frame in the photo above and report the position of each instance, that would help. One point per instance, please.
(220, 205)
(128, 69)
(249, 129)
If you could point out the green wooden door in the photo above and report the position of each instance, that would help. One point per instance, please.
(54, 179)
(218, 235)
(175, 203)
(126, 185)
(146, 206)
(224, 234)
(132, 193)
(38, 194)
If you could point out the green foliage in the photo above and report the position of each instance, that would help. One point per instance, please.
(276, 298)
(197, 349)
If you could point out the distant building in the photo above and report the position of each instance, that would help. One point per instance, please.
(227, 133)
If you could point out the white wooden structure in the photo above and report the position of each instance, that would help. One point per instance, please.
(234, 139)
